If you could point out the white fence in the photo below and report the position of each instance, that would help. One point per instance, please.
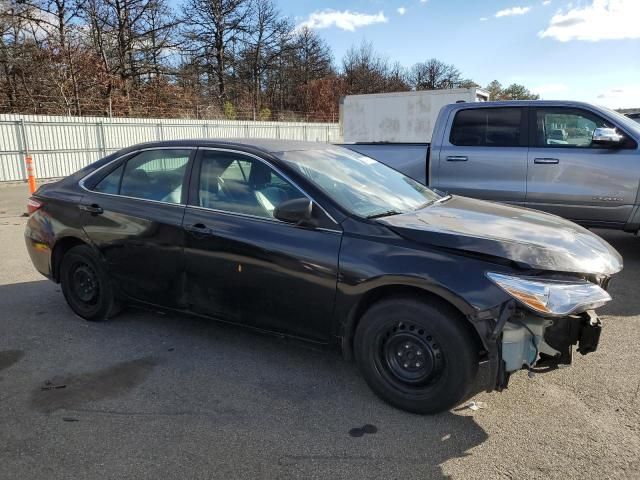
(62, 145)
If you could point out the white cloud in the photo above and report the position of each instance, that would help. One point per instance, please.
(624, 96)
(546, 2)
(402, 10)
(483, 19)
(507, 12)
(424, 1)
(345, 20)
(602, 20)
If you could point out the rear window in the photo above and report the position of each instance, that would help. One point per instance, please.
(487, 127)
(151, 175)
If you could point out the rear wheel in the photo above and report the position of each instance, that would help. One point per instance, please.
(86, 286)
(416, 355)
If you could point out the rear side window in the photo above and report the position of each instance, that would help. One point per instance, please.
(110, 183)
(150, 175)
(487, 127)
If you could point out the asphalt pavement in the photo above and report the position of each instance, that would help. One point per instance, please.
(163, 396)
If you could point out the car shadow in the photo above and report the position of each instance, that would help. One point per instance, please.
(623, 287)
(300, 407)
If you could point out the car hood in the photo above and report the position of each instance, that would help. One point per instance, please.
(529, 237)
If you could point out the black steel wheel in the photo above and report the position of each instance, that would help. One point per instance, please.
(86, 286)
(416, 354)
(410, 354)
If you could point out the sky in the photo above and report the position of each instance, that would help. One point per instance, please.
(586, 50)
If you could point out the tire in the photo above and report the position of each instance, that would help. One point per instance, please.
(86, 286)
(416, 355)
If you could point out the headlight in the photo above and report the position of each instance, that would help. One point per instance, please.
(552, 297)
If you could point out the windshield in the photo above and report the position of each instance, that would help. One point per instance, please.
(360, 184)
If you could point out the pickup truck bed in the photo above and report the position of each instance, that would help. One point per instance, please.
(412, 159)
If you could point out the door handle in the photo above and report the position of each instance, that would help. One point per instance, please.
(93, 209)
(457, 158)
(546, 161)
(198, 228)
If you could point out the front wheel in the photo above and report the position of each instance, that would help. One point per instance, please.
(86, 286)
(416, 355)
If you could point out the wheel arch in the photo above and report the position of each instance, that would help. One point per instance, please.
(381, 292)
(61, 247)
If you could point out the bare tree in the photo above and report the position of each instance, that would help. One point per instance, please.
(311, 56)
(434, 74)
(160, 41)
(58, 26)
(495, 89)
(212, 27)
(512, 92)
(306, 59)
(268, 37)
(19, 47)
(229, 58)
(364, 70)
(124, 34)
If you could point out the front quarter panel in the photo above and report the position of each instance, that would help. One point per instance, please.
(370, 262)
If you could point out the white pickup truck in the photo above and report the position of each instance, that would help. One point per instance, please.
(573, 159)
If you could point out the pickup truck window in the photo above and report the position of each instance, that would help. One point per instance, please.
(566, 127)
(487, 127)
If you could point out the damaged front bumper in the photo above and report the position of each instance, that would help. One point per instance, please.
(538, 344)
(518, 339)
(547, 316)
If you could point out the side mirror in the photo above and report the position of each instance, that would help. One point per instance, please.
(297, 210)
(607, 137)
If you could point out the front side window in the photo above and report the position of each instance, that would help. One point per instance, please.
(235, 183)
(566, 127)
(487, 127)
(359, 184)
(149, 175)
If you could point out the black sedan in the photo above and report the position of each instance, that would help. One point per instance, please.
(437, 297)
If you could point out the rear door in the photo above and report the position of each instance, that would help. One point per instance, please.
(484, 154)
(133, 215)
(571, 177)
(245, 266)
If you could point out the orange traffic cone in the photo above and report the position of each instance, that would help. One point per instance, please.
(31, 174)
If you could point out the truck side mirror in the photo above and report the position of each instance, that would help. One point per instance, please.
(607, 137)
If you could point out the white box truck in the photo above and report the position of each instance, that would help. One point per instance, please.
(399, 117)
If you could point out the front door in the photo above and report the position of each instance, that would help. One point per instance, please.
(133, 215)
(244, 265)
(484, 155)
(571, 177)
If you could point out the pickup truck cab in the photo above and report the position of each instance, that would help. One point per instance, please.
(572, 159)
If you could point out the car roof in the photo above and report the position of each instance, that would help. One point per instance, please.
(261, 144)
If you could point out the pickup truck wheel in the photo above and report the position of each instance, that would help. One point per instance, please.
(415, 355)
(86, 286)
